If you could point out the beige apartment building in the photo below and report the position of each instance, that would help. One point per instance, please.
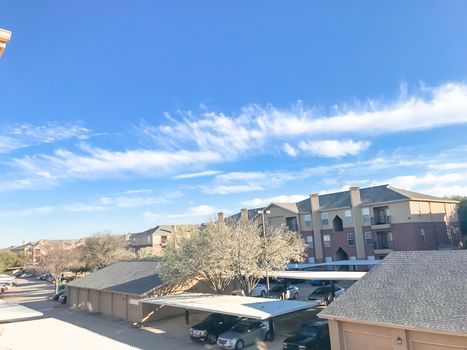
(5, 37)
(156, 237)
(366, 223)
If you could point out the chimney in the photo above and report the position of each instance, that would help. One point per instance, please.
(314, 201)
(220, 216)
(244, 215)
(355, 199)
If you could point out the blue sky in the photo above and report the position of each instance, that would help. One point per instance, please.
(123, 115)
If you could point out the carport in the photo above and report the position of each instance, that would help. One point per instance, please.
(256, 308)
(318, 275)
(10, 312)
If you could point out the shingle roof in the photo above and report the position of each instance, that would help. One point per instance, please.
(133, 277)
(165, 228)
(251, 214)
(414, 289)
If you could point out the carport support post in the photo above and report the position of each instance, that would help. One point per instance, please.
(187, 316)
(271, 329)
(333, 292)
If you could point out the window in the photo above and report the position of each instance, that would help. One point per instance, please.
(422, 234)
(337, 224)
(309, 241)
(371, 257)
(324, 219)
(369, 238)
(311, 260)
(308, 222)
(328, 259)
(366, 215)
(327, 240)
(292, 223)
(149, 239)
(348, 216)
(351, 238)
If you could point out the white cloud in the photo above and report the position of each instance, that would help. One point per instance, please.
(290, 150)
(198, 212)
(334, 148)
(261, 202)
(198, 174)
(13, 137)
(230, 189)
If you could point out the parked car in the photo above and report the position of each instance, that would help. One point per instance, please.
(244, 333)
(260, 290)
(26, 275)
(291, 292)
(311, 336)
(63, 298)
(212, 326)
(322, 294)
(3, 288)
(57, 296)
(321, 282)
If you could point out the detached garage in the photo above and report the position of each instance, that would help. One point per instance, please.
(115, 290)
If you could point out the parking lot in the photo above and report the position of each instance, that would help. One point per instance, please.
(167, 334)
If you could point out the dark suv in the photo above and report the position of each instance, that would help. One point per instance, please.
(312, 335)
(212, 326)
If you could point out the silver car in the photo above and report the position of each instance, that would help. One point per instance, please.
(244, 333)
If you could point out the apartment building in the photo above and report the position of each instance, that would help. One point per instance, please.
(367, 223)
(156, 237)
(33, 251)
(5, 36)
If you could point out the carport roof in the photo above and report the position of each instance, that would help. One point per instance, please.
(256, 308)
(319, 275)
(130, 277)
(14, 312)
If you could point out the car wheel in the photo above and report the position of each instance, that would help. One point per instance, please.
(239, 345)
(267, 336)
(212, 339)
(263, 293)
(295, 296)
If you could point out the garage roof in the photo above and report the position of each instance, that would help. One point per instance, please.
(319, 275)
(256, 308)
(14, 312)
(129, 277)
(335, 263)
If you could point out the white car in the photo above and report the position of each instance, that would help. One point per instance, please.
(259, 291)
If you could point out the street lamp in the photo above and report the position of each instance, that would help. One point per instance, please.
(262, 212)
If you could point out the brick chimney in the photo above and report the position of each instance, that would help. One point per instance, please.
(355, 195)
(244, 215)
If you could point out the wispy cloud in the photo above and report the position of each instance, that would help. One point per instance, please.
(18, 136)
(334, 148)
(198, 174)
(260, 202)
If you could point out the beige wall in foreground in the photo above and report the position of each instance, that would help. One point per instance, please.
(355, 336)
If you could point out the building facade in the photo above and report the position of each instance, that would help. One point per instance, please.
(5, 36)
(156, 237)
(368, 223)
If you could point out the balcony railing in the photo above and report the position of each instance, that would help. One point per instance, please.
(381, 220)
(384, 244)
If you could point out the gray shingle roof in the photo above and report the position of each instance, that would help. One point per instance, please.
(416, 289)
(164, 228)
(132, 277)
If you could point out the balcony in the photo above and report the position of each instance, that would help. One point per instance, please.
(381, 221)
(383, 245)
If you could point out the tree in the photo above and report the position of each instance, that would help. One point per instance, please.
(222, 251)
(56, 260)
(146, 253)
(103, 249)
(200, 256)
(9, 259)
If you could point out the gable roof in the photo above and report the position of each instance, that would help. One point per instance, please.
(130, 277)
(292, 207)
(251, 214)
(164, 228)
(413, 290)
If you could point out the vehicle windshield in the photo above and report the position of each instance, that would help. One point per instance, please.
(214, 318)
(309, 330)
(241, 327)
(321, 290)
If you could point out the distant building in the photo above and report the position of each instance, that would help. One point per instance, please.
(411, 301)
(5, 36)
(33, 251)
(366, 223)
(156, 237)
